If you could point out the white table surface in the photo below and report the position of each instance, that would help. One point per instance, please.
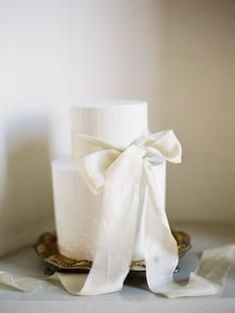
(134, 297)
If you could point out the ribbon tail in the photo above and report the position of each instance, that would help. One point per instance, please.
(118, 225)
(161, 254)
(209, 278)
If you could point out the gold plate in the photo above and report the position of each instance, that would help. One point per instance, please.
(46, 247)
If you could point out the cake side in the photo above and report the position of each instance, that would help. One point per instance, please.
(77, 211)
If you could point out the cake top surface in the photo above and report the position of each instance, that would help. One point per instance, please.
(110, 103)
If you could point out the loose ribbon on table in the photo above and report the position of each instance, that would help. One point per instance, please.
(131, 181)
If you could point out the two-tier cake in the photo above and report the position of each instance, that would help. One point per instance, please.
(77, 210)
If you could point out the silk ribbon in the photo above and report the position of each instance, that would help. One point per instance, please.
(131, 181)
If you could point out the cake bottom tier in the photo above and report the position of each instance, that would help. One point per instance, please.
(77, 214)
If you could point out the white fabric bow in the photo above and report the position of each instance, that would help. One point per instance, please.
(129, 177)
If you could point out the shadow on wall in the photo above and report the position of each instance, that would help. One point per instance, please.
(26, 202)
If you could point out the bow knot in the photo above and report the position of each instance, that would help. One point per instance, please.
(99, 155)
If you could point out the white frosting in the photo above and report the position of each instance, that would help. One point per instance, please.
(118, 122)
(76, 211)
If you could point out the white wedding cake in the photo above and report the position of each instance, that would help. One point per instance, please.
(77, 210)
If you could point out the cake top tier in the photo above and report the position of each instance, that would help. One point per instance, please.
(119, 122)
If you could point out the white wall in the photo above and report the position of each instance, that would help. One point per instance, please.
(177, 55)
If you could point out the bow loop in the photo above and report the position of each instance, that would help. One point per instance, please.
(163, 145)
